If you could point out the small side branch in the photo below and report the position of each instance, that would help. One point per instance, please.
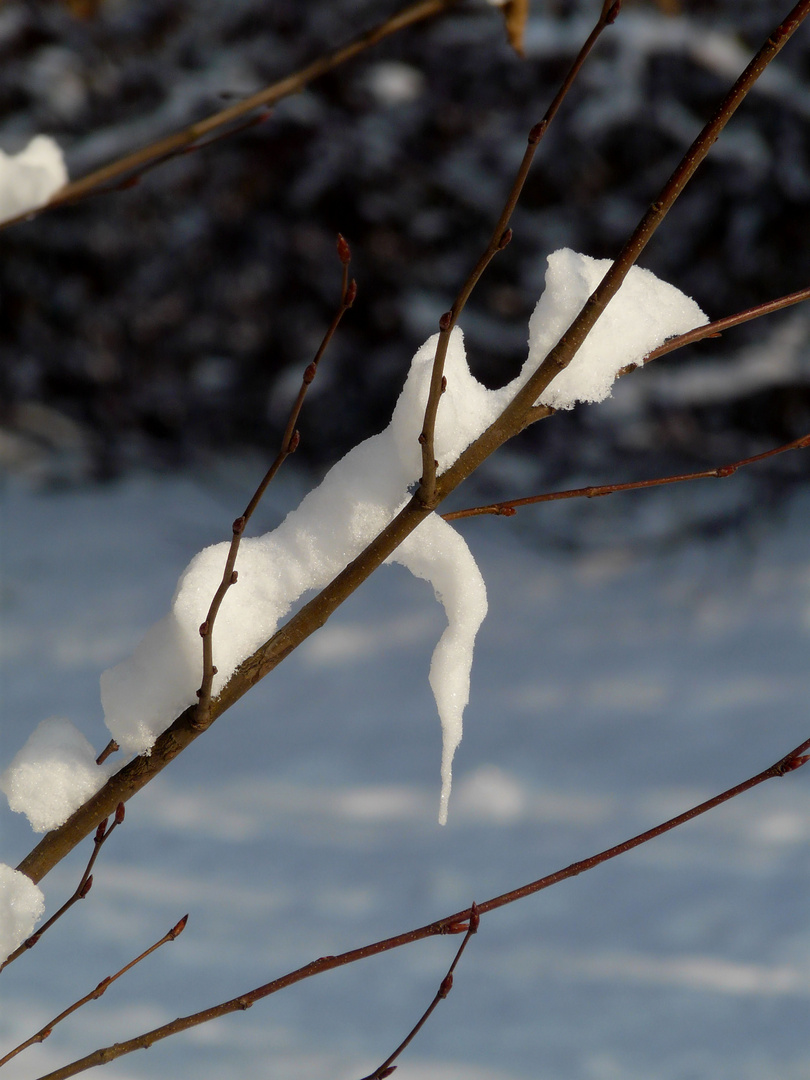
(445, 987)
(509, 507)
(289, 444)
(501, 235)
(102, 987)
(82, 889)
(451, 924)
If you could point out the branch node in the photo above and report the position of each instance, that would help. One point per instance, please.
(506, 236)
(446, 321)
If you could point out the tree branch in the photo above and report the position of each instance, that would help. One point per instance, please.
(460, 922)
(509, 507)
(501, 235)
(135, 775)
(94, 995)
(171, 145)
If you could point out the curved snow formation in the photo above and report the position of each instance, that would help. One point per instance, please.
(365, 490)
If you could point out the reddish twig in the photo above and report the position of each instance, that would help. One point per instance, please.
(289, 444)
(445, 987)
(82, 889)
(45, 1031)
(509, 507)
(451, 924)
(501, 235)
(133, 165)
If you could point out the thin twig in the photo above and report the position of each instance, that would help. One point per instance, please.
(451, 924)
(182, 732)
(161, 150)
(289, 444)
(516, 414)
(501, 235)
(509, 507)
(45, 1031)
(82, 889)
(445, 987)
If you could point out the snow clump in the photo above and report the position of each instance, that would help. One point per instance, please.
(54, 774)
(364, 491)
(30, 178)
(21, 907)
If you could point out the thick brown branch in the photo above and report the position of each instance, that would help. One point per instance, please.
(459, 922)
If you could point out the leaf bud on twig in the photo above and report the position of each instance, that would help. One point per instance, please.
(343, 250)
(85, 889)
(120, 811)
(351, 294)
(178, 927)
(446, 321)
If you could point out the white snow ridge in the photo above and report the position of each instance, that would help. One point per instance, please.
(365, 490)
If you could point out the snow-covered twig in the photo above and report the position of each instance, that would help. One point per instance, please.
(95, 994)
(459, 922)
(445, 987)
(509, 507)
(512, 419)
(82, 889)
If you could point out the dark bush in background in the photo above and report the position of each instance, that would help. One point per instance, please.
(149, 324)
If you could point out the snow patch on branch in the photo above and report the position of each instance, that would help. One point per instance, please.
(21, 908)
(54, 774)
(30, 178)
(365, 490)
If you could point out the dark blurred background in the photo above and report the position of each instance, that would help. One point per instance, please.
(152, 325)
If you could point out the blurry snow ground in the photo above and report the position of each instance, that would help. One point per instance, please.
(610, 690)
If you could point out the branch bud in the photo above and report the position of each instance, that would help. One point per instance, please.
(119, 814)
(234, 577)
(351, 294)
(102, 828)
(85, 889)
(446, 321)
(343, 250)
(537, 132)
(506, 236)
(178, 928)
(239, 526)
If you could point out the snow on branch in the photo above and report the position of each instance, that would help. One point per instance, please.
(363, 493)
(21, 907)
(30, 178)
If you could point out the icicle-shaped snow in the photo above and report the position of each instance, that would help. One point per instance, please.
(364, 491)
